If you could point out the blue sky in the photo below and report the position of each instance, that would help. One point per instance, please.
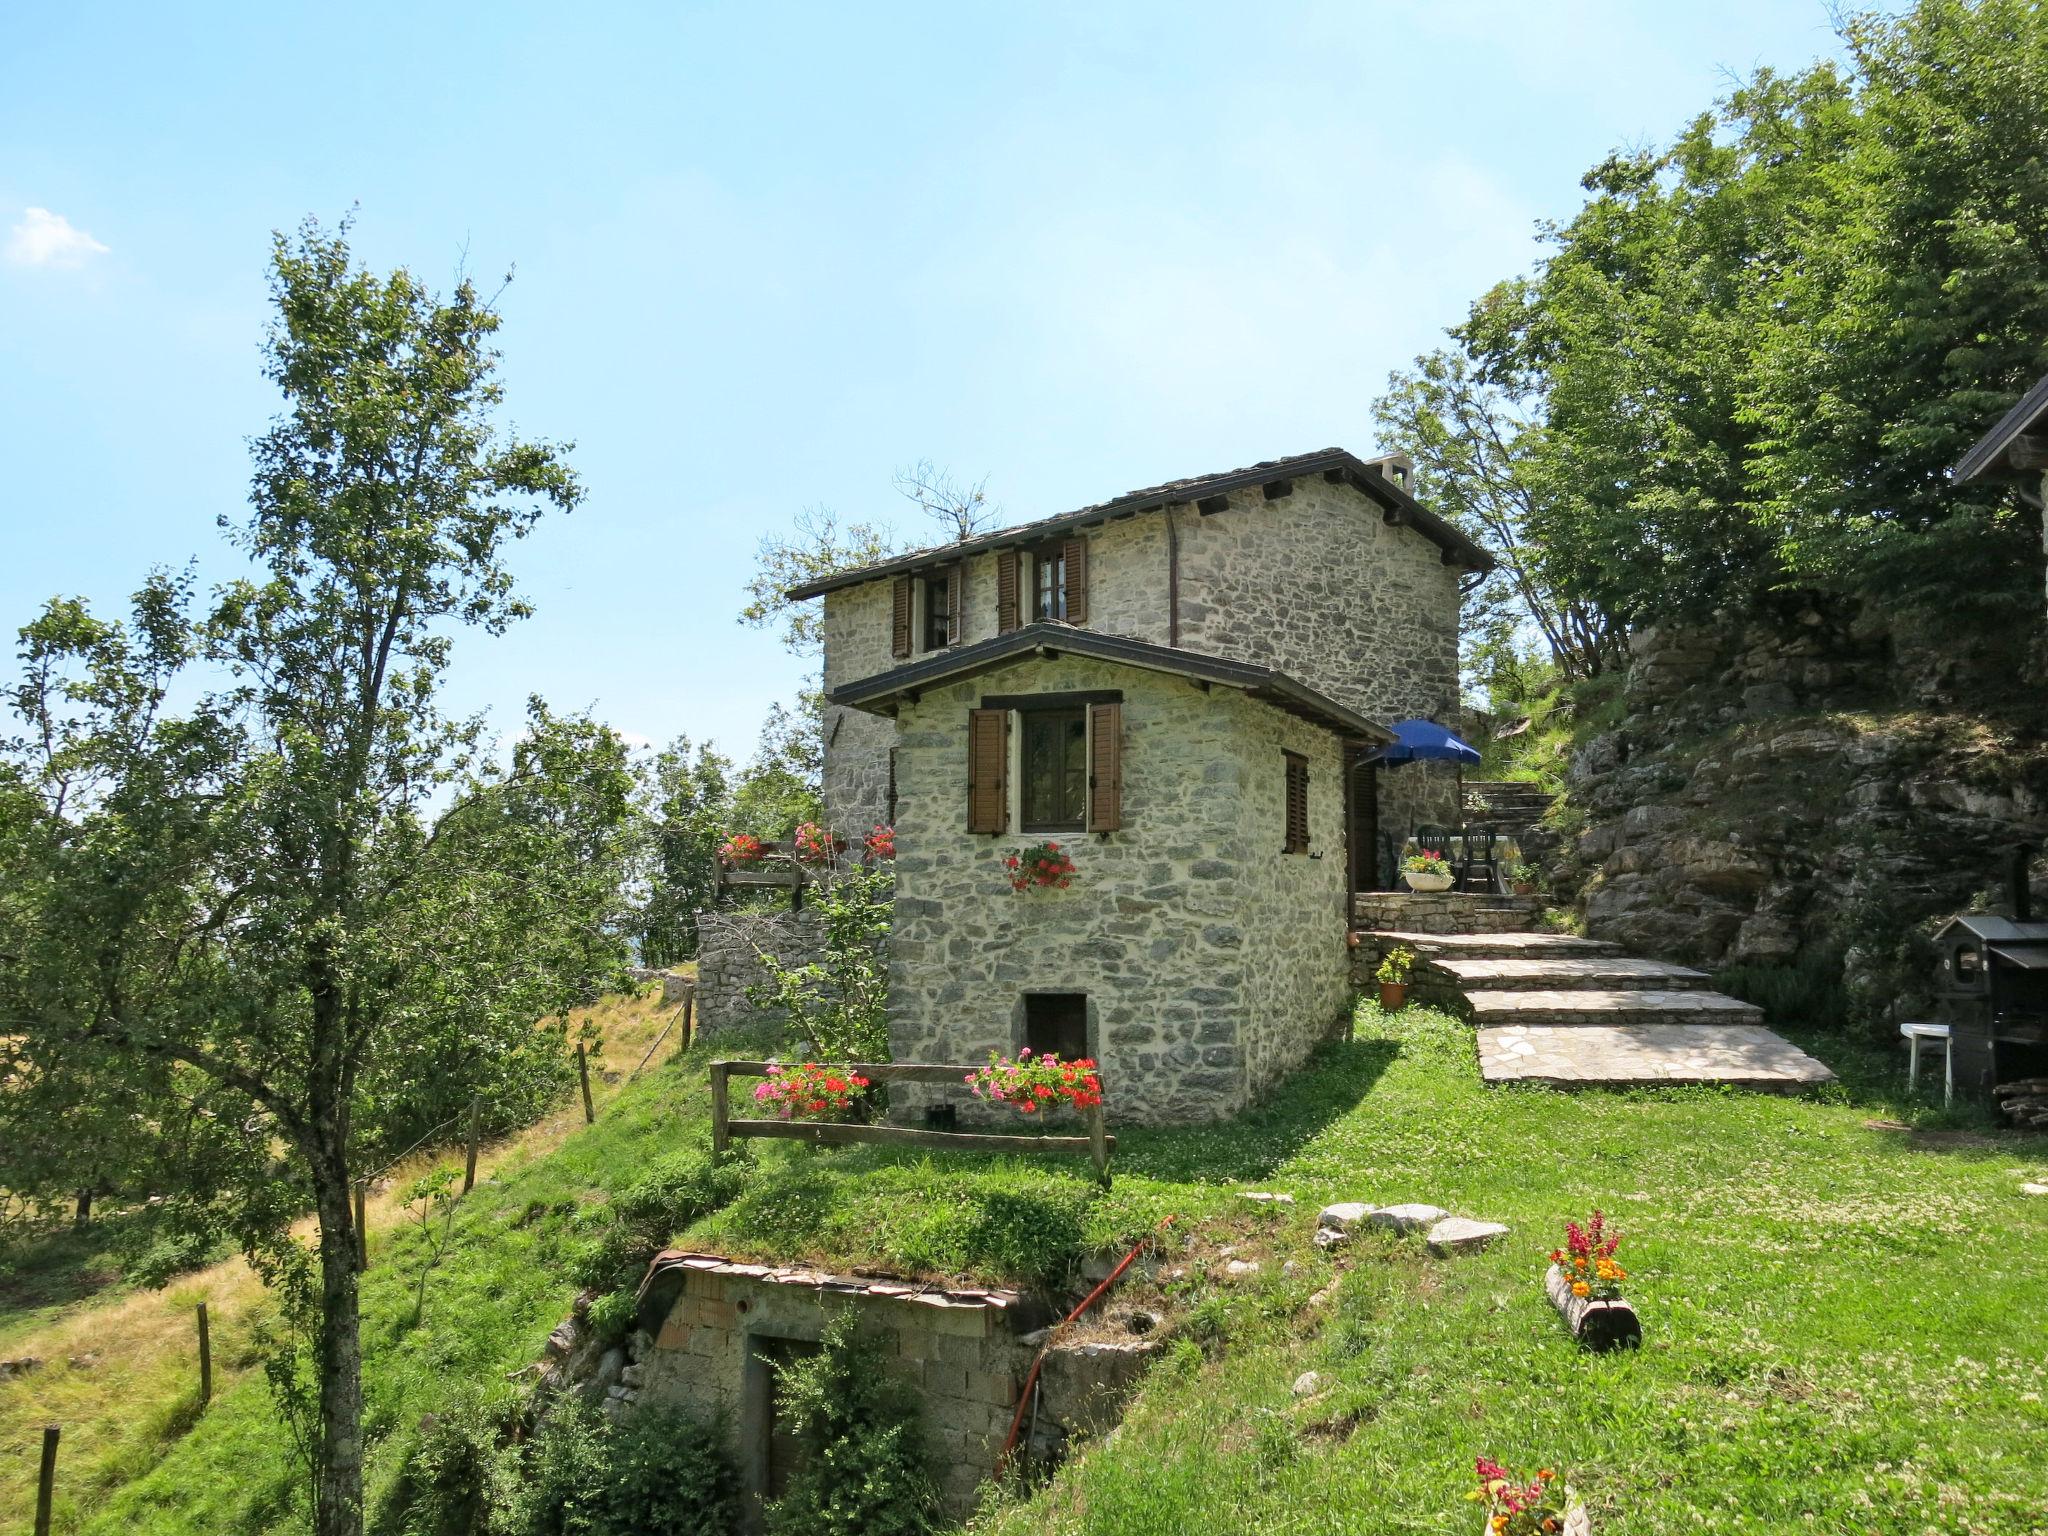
(766, 254)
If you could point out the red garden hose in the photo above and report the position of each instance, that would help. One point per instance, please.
(1031, 1379)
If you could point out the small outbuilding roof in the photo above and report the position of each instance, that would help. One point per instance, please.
(1995, 451)
(1334, 464)
(882, 693)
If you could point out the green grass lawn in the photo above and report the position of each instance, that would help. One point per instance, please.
(1847, 1328)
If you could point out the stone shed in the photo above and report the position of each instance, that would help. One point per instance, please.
(722, 1330)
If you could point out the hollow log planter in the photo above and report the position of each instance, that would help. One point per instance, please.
(1598, 1325)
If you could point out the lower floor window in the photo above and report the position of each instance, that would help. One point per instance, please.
(1054, 790)
(1057, 1022)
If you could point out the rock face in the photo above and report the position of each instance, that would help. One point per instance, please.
(1808, 792)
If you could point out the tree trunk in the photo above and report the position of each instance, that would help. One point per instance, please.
(83, 1218)
(338, 1453)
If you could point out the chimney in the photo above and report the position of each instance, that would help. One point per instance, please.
(1396, 467)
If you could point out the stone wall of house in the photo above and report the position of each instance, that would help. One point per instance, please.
(729, 950)
(1316, 584)
(1292, 907)
(1812, 787)
(1211, 960)
(1319, 585)
(964, 1354)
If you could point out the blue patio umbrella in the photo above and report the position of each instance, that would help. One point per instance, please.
(1424, 741)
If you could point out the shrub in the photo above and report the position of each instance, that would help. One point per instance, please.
(659, 1474)
(860, 1465)
(668, 1477)
(462, 1478)
(641, 1218)
(611, 1315)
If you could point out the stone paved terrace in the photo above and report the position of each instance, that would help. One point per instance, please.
(1598, 971)
(1647, 1055)
(1553, 1008)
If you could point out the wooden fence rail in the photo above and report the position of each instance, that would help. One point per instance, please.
(1097, 1144)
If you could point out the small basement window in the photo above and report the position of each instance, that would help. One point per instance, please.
(1057, 1022)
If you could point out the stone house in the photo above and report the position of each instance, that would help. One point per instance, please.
(1182, 687)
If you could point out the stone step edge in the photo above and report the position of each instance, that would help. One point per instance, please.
(1611, 982)
(1617, 1006)
(1466, 945)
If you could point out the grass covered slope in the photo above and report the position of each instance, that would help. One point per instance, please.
(119, 1366)
(1843, 1322)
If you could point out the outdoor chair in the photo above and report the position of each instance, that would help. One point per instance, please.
(1481, 870)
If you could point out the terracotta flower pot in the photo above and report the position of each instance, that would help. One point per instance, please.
(1393, 995)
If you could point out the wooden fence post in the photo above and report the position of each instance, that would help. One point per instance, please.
(205, 1359)
(469, 1164)
(46, 1480)
(690, 1017)
(583, 1072)
(721, 1142)
(1098, 1143)
(362, 1226)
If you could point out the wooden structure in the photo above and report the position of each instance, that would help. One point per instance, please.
(1097, 1144)
(1599, 1325)
(778, 869)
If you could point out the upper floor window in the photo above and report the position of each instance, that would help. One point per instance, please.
(940, 594)
(1049, 584)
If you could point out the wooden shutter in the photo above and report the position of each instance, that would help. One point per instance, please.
(988, 770)
(1075, 557)
(1297, 803)
(1105, 767)
(1006, 590)
(956, 588)
(900, 608)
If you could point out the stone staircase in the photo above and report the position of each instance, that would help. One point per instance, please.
(1506, 804)
(1553, 1008)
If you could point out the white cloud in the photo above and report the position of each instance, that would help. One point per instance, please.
(46, 239)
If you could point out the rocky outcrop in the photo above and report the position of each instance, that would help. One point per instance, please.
(1805, 791)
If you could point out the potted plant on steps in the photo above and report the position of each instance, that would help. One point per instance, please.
(1522, 879)
(1427, 871)
(1393, 977)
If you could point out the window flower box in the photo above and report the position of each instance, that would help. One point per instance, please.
(1040, 865)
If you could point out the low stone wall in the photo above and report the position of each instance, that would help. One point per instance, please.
(729, 950)
(1443, 912)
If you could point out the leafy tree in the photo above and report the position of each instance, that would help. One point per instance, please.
(782, 786)
(820, 545)
(311, 890)
(1746, 364)
(840, 1001)
(690, 814)
(1915, 314)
